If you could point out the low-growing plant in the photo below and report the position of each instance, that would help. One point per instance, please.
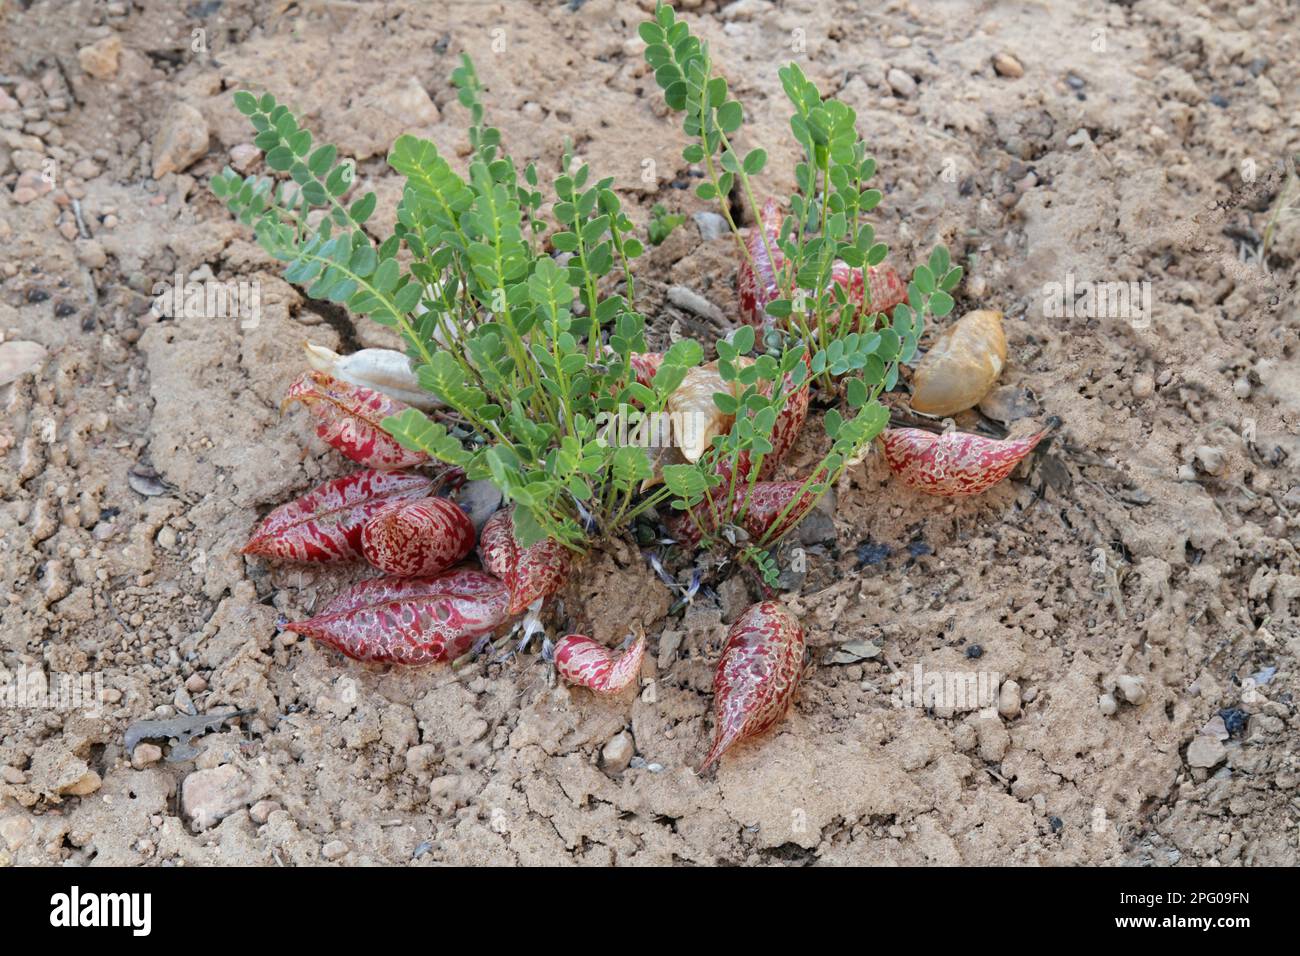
(526, 327)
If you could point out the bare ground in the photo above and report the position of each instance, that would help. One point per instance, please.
(1144, 141)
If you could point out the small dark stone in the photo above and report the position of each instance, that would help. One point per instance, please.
(1219, 100)
(918, 548)
(974, 651)
(1257, 65)
(63, 310)
(37, 295)
(1055, 823)
(871, 553)
(1234, 719)
(1076, 82)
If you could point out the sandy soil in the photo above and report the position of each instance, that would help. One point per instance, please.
(1142, 142)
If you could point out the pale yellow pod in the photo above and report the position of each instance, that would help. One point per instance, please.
(962, 366)
(695, 417)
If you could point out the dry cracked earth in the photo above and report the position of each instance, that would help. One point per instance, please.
(1134, 594)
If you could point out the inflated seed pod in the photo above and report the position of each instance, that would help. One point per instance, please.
(418, 538)
(326, 523)
(695, 417)
(348, 418)
(757, 283)
(587, 663)
(756, 678)
(961, 366)
(771, 510)
(384, 370)
(424, 620)
(537, 571)
(953, 465)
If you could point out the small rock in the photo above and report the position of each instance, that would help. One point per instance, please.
(1210, 459)
(692, 301)
(1144, 386)
(733, 596)
(145, 754)
(166, 537)
(617, 753)
(1009, 700)
(1186, 473)
(19, 358)
(261, 811)
(196, 684)
(1080, 137)
(182, 139)
(1241, 387)
(1205, 752)
(15, 831)
(1007, 65)
(901, 83)
(243, 156)
(711, 225)
(1133, 688)
(83, 786)
(101, 57)
(90, 253)
(334, 850)
(1107, 705)
(209, 796)
(13, 775)
(1008, 403)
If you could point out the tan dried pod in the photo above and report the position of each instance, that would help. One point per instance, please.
(696, 419)
(962, 365)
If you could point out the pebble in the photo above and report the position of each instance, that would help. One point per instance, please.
(1009, 700)
(1186, 473)
(901, 83)
(1205, 752)
(1107, 705)
(145, 755)
(15, 830)
(1210, 459)
(90, 253)
(166, 537)
(1241, 387)
(334, 850)
(100, 59)
(1144, 386)
(1007, 65)
(1079, 137)
(84, 785)
(711, 225)
(196, 684)
(13, 775)
(261, 811)
(617, 754)
(243, 156)
(182, 139)
(209, 796)
(1133, 688)
(692, 301)
(18, 358)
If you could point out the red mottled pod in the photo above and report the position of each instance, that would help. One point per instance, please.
(645, 365)
(587, 663)
(411, 620)
(953, 465)
(418, 538)
(325, 524)
(757, 284)
(768, 501)
(531, 573)
(349, 417)
(756, 677)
